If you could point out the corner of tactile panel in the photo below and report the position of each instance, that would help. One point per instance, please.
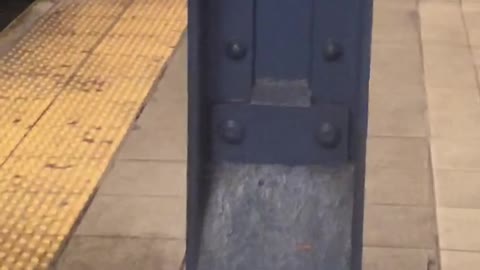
(24, 22)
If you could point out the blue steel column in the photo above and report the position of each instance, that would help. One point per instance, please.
(278, 93)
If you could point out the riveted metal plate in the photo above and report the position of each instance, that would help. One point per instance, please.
(283, 135)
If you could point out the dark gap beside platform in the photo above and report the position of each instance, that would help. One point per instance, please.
(10, 9)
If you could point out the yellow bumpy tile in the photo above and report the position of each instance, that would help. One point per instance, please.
(69, 91)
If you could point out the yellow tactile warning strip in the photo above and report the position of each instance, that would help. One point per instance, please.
(69, 91)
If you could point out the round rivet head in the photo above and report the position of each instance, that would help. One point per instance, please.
(328, 135)
(332, 51)
(232, 132)
(236, 51)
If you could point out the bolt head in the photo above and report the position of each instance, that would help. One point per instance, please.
(332, 51)
(236, 51)
(328, 135)
(232, 132)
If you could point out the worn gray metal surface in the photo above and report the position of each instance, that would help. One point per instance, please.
(261, 217)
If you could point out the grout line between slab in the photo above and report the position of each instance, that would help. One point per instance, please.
(470, 47)
(172, 161)
(102, 194)
(429, 145)
(131, 237)
(461, 250)
(425, 206)
(396, 247)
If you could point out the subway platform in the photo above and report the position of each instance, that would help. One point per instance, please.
(93, 136)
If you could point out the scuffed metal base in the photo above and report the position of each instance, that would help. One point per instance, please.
(273, 217)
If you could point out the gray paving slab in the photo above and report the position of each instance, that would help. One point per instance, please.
(135, 216)
(396, 64)
(397, 186)
(116, 253)
(398, 22)
(381, 258)
(404, 115)
(145, 178)
(400, 226)
(398, 152)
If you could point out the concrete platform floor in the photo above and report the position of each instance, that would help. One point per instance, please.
(422, 205)
(137, 218)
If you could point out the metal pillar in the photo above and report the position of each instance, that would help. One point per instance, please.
(278, 93)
